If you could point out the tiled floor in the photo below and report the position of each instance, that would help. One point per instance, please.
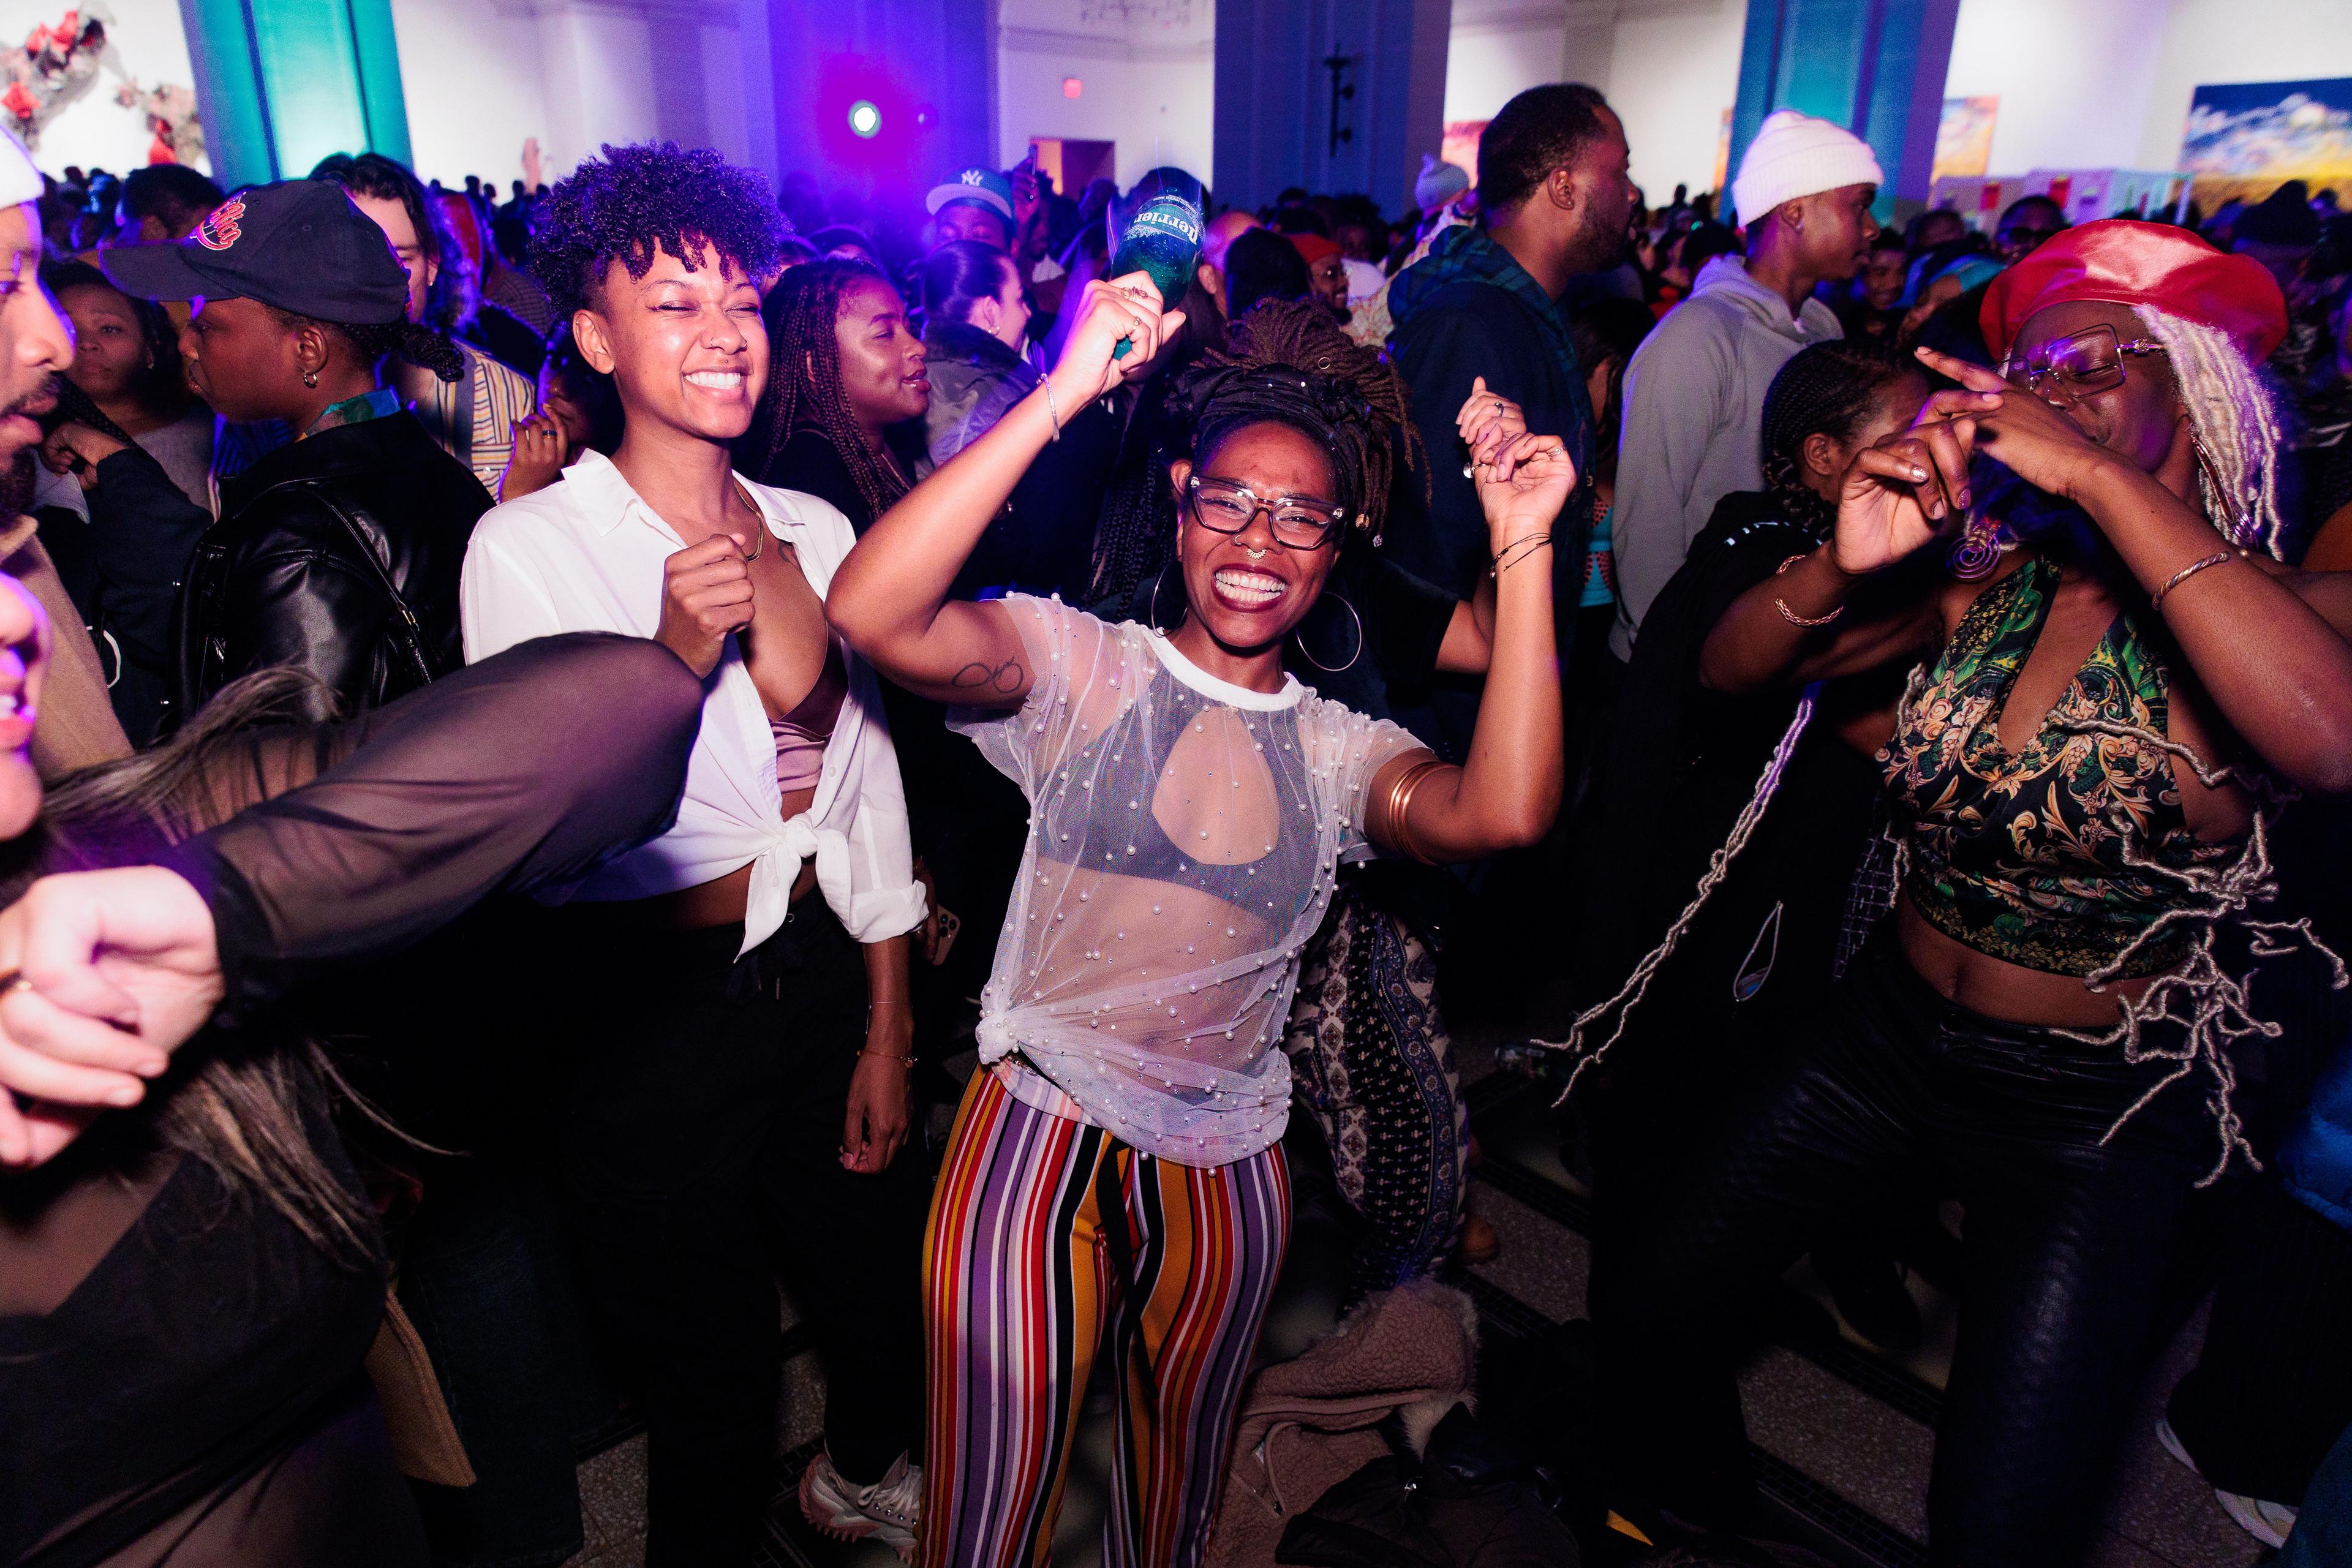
(1839, 1419)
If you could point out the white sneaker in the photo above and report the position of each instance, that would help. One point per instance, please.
(889, 1508)
(2268, 1522)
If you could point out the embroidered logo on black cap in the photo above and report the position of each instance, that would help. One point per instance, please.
(219, 230)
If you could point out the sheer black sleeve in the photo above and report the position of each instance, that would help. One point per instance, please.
(522, 773)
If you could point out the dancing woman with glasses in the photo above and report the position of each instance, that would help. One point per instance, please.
(2112, 678)
(1113, 1181)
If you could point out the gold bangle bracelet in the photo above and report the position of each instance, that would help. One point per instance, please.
(2219, 558)
(1400, 804)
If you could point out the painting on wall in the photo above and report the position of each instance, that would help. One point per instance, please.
(1964, 136)
(1459, 146)
(2245, 139)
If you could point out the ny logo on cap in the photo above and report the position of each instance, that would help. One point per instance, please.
(219, 230)
(973, 176)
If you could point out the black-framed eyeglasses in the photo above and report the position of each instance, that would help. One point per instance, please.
(1298, 523)
(2089, 362)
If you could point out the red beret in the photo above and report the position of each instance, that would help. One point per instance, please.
(2125, 262)
(1312, 247)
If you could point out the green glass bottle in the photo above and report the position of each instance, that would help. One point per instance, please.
(1163, 242)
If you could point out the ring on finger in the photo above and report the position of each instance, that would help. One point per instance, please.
(13, 981)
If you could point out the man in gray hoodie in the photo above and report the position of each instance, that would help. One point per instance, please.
(1695, 390)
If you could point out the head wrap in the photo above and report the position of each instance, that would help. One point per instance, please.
(1438, 182)
(2122, 261)
(1312, 247)
(20, 181)
(1796, 155)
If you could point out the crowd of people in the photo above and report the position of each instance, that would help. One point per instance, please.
(529, 718)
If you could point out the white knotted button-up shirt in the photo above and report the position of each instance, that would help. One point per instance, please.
(585, 554)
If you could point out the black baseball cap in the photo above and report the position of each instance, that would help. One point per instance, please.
(299, 245)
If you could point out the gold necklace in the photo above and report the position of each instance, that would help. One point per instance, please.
(759, 534)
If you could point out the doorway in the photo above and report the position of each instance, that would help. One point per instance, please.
(1073, 164)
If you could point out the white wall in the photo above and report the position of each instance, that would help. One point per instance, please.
(2071, 78)
(2239, 40)
(1670, 69)
(480, 75)
(1672, 73)
(145, 42)
(470, 72)
(2099, 85)
(1496, 50)
(1149, 88)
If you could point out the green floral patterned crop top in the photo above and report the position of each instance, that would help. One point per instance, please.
(2053, 857)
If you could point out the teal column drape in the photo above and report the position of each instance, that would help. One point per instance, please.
(282, 83)
(1875, 66)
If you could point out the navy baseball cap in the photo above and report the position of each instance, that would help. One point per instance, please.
(981, 187)
(299, 245)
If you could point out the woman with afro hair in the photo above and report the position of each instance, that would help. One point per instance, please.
(750, 1005)
(1113, 1184)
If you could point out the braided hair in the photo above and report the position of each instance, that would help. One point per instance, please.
(1286, 361)
(805, 386)
(371, 340)
(1825, 389)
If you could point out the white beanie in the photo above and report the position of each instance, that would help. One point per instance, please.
(1796, 155)
(20, 181)
(1437, 182)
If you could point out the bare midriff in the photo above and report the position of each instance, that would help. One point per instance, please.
(723, 899)
(2009, 991)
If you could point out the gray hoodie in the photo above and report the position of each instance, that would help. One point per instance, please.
(1692, 423)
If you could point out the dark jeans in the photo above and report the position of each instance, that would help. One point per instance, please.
(702, 1157)
(2066, 1247)
(471, 1280)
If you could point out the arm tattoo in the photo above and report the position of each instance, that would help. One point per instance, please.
(1005, 679)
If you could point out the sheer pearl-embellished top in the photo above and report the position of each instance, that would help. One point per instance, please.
(1182, 837)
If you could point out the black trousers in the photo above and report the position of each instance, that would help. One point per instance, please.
(2065, 1250)
(702, 1159)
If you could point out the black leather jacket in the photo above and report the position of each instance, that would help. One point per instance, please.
(282, 580)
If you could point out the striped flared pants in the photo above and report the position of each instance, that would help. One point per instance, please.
(1050, 1240)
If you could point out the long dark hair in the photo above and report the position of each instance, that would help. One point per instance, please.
(456, 294)
(804, 377)
(958, 275)
(243, 1104)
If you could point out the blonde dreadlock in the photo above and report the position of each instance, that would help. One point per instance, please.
(2234, 425)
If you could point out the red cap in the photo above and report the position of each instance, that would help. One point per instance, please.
(1312, 247)
(2125, 262)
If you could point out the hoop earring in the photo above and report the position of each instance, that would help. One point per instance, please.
(1300, 633)
(310, 378)
(1151, 616)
